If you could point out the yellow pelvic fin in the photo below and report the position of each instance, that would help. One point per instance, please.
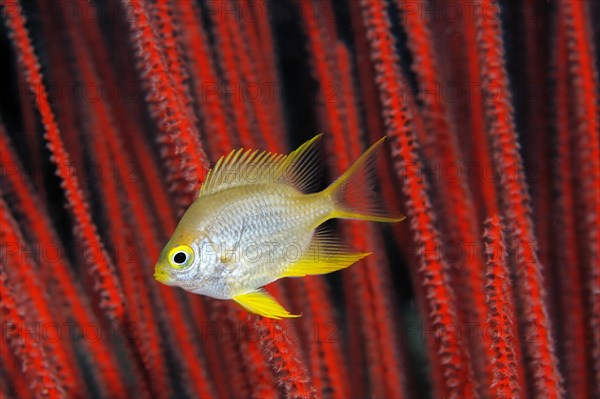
(262, 303)
(352, 193)
(244, 167)
(326, 254)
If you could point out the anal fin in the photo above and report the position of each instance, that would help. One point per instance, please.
(326, 254)
(262, 303)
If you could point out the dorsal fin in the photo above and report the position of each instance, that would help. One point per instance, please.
(246, 167)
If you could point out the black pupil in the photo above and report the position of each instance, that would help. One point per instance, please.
(180, 257)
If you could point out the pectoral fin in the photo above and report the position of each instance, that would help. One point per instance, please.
(262, 303)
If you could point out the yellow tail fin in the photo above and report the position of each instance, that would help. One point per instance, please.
(352, 193)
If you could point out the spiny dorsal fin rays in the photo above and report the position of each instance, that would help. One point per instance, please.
(246, 166)
(241, 167)
(302, 166)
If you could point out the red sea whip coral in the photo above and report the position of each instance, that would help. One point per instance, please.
(194, 69)
(506, 382)
(452, 356)
(103, 269)
(541, 360)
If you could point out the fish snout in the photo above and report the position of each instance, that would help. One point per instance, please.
(161, 275)
(161, 269)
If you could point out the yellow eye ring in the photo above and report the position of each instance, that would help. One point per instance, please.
(181, 256)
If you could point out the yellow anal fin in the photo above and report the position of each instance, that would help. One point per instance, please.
(334, 262)
(262, 303)
(325, 255)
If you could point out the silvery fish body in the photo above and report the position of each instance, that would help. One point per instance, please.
(246, 236)
(253, 223)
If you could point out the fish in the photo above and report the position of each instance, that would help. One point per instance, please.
(256, 220)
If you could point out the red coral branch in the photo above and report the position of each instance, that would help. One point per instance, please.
(469, 109)
(505, 364)
(59, 84)
(42, 381)
(498, 107)
(567, 263)
(226, 330)
(450, 356)
(210, 335)
(262, 47)
(124, 118)
(168, 31)
(40, 231)
(260, 377)
(376, 271)
(107, 284)
(206, 84)
(148, 342)
(252, 87)
(586, 147)
(12, 371)
(343, 122)
(291, 373)
(231, 78)
(180, 331)
(370, 105)
(324, 71)
(182, 152)
(443, 151)
(23, 275)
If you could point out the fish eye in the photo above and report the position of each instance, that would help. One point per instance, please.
(181, 256)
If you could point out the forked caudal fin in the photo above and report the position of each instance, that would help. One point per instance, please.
(352, 193)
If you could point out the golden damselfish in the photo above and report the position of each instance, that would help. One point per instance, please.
(254, 221)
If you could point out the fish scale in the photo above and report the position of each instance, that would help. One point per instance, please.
(263, 225)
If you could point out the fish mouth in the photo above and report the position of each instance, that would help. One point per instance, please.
(161, 276)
